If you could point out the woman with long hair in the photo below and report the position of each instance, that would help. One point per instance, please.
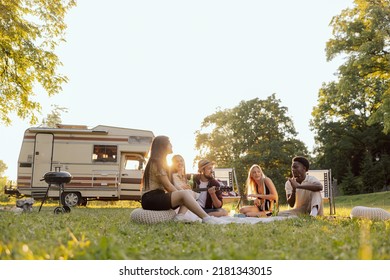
(260, 188)
(158, 193)
(178, 173)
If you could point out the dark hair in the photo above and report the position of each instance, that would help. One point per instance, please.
(158, 153)
(303, 161)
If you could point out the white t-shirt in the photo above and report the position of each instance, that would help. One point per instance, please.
(179, 181)
(203, 195)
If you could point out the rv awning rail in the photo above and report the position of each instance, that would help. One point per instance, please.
(65, 130)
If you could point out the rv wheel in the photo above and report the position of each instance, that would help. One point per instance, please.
(70, 199)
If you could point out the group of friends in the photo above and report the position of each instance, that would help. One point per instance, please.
(167, 187)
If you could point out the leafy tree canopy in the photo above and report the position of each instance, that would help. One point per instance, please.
(362, 33)
(30, 30)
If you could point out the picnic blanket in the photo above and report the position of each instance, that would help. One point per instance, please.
(254, 220)
(239, 219)
(140, 215)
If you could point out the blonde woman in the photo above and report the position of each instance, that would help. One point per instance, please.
(262, 190)
(178, 173)
(179, 179)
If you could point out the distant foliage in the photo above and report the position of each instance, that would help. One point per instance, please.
(350, 183)
(3, 167)
(3, 182)
(54, 117)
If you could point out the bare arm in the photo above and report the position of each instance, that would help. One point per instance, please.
(314, 186)
(272, 196)
(179, 184)
(291, 197)
(167, 184)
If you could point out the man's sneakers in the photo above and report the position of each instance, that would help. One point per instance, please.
(214, 221)
(207, 220)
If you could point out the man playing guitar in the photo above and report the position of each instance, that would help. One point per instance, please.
(210, 198)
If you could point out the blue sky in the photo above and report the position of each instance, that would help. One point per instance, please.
(166, 65)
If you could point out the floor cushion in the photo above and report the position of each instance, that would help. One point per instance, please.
(143, 216)
(369, 213)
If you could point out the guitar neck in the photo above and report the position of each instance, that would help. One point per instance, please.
(223, 189)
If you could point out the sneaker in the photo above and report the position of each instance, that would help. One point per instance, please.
(181, 218)
(214, 221)
(314, 211)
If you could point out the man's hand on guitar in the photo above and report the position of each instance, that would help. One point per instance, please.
(211, 190)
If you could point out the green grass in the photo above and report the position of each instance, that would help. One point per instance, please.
(104, 231)
(381, 200)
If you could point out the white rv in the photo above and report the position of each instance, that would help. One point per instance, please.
(106, 163)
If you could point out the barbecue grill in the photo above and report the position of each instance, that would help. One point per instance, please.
(59, 178)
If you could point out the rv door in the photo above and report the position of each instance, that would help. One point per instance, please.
(132, 166)
(43, 154)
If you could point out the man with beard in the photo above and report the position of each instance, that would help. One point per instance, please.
(303, 191)
(210, 199)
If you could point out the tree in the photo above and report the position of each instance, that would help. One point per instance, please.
(350, 183)
(3, 167)
(254, 132)
(30, 30)
(350, 118)
(363, 34)
(3, 181)
(54, 117)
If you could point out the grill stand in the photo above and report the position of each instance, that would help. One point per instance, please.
(57, 178)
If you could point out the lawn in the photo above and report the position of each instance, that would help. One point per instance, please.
(104, 231)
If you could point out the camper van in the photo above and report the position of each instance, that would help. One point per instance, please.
(105, 162)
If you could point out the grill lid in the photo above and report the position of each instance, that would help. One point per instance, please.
(57, 177)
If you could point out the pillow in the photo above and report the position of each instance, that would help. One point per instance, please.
(143, 216)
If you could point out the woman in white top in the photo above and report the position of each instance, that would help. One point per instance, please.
(178, 173)
(179, 180)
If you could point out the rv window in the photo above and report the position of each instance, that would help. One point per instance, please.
(133, 163)
(104, 153)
